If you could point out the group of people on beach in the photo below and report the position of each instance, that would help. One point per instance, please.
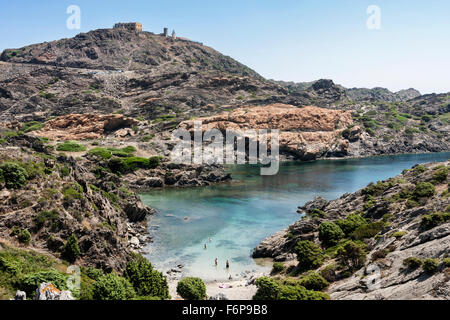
(216, 262)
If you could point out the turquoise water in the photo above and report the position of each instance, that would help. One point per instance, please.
(238, 215)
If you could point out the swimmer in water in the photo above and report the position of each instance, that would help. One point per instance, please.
(216, 262)
(228, 264)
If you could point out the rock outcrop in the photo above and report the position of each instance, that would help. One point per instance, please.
(408, 224)
(84, 126)
(306, 133)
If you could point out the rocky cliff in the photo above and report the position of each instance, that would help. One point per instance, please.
(398, 229)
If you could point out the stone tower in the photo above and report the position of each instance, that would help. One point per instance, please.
(174, 35)
(166, 32)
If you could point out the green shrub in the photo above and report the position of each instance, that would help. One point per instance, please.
(423, 190)
(430, 221)
(268, 289)
(412, 263)
(65, 171)
(145, 280)
(45, 217)
(314, 281)
(191, 289)
(127, 165)
(376, 189)
(277, 267)
(399, 234)
(14, 175)
(24, 236)
(147, 138)
(154, 162)
(330, 233)
(368, 230)
(309, 255)
(446, 262)
(129, 149)
(430, 265)
(352, 254)
(32, 126)
(71, 249)
(419, 169)
(70, 146)
(73, 191)
(101, 153)
(440, 175)
(93, 273)
(31, 281)
(329, 272)
(112, 287)
(351, 223)
(300, 293)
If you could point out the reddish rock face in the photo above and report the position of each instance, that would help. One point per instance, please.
(84, 126)
(308, 133)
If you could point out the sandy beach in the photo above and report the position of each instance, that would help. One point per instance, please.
(233, 290)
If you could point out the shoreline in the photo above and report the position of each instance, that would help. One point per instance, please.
(231, 290)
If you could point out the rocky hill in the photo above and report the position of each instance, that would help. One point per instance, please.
(389, 240)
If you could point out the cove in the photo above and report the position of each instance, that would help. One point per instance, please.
(238, 215)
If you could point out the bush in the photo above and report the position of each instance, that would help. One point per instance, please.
(412, 263)
(399, 234)
(112, 287)
(300, 293)
(277, 267)
(101, 153)
(46, 216)
(446, 262)
(330, 233)
(368, 230)
(430, 221)
(131, 164)
(379, 254)
(329, 272)
(352, 254)
(375, 189)
(314, 281)
(154, 162)
(25, 236)
(423, 190)
(32, 280)
(71, 250)
(351, 223)
(309, 255)
(71, 146)
(14, 175)
(191, 289)
(268, 289)
(430, 265)
(145, 280)
(419, 169)
(440, 175)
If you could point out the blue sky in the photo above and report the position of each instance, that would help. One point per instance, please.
(292, 40)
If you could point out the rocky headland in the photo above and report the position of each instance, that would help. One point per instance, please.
(389, 240)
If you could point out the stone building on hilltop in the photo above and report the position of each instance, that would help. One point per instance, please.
(132, 26)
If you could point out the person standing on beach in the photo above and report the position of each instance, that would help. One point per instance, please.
(216, 262)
